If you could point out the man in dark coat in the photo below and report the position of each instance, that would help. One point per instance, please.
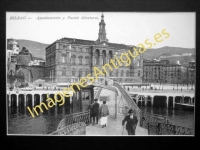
(132, 121)
(95, 111)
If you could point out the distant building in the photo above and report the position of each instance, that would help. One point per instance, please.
(12, 49)
(153, 70)
(22, 65)
(161, 71)
(174, 73)
(191, 72)
(37, 62)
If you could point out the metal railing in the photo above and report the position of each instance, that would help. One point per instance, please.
(73, 129)
(145, 118)
(75, 118)
(129, 100)
(167, 129)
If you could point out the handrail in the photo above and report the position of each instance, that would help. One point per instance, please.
(143, 117)
(71, 129)
(128, 99)
(75, 118)
(168, 129)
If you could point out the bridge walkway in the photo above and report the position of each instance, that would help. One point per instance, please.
(114, 127)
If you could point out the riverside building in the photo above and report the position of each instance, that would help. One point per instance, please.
(69, 59)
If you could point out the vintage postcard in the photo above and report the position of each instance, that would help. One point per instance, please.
(100, 73)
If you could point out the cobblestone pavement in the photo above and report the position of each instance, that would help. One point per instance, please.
(114, 127)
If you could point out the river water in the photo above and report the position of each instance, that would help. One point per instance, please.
(23, 123)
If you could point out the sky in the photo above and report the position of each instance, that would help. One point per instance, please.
(130, 28)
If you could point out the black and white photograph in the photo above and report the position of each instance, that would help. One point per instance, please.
(100, 73)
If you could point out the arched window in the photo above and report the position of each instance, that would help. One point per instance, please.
(80, 60)
(104, 57)
(64, 57)
(73, 59)
(87, 58)
(97, 54)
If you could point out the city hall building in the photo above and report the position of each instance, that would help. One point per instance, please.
(69, 59)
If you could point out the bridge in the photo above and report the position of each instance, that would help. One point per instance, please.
(119, 104)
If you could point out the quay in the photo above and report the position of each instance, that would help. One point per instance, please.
(186, 99)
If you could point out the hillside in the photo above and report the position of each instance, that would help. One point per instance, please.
(153, 53)
(171, 53)
(37, 49)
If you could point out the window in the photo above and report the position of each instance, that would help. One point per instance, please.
(63, 59)
(73, 59)
(87, 50)
(64, 72)
(80, 73)
(80, 59)
(139, 73)
(122, 73)
(87, 59)
(86, 72)
(73, 72)
(127, 73)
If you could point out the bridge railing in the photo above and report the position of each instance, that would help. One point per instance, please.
(75, 118)
(145, 118)
(73, 129)
(167, 129)
(129, 100)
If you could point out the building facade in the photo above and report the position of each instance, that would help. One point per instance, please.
(68, 59)
(161, 71)
(191, 73)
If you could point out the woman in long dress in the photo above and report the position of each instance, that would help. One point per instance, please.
(104, 112)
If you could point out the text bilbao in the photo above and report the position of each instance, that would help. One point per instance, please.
(85, 81)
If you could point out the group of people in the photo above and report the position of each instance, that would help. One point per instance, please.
(97, 112)
(102, 112)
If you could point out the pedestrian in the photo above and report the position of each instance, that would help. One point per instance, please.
(91, 111)
(104, 112)
(95, 111)
(132, 121)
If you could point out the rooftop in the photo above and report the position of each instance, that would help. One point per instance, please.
(89, 42)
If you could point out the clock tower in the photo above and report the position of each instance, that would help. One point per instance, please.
(102, 32)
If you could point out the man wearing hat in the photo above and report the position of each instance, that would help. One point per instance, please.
(95, 111)
(132, 121)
